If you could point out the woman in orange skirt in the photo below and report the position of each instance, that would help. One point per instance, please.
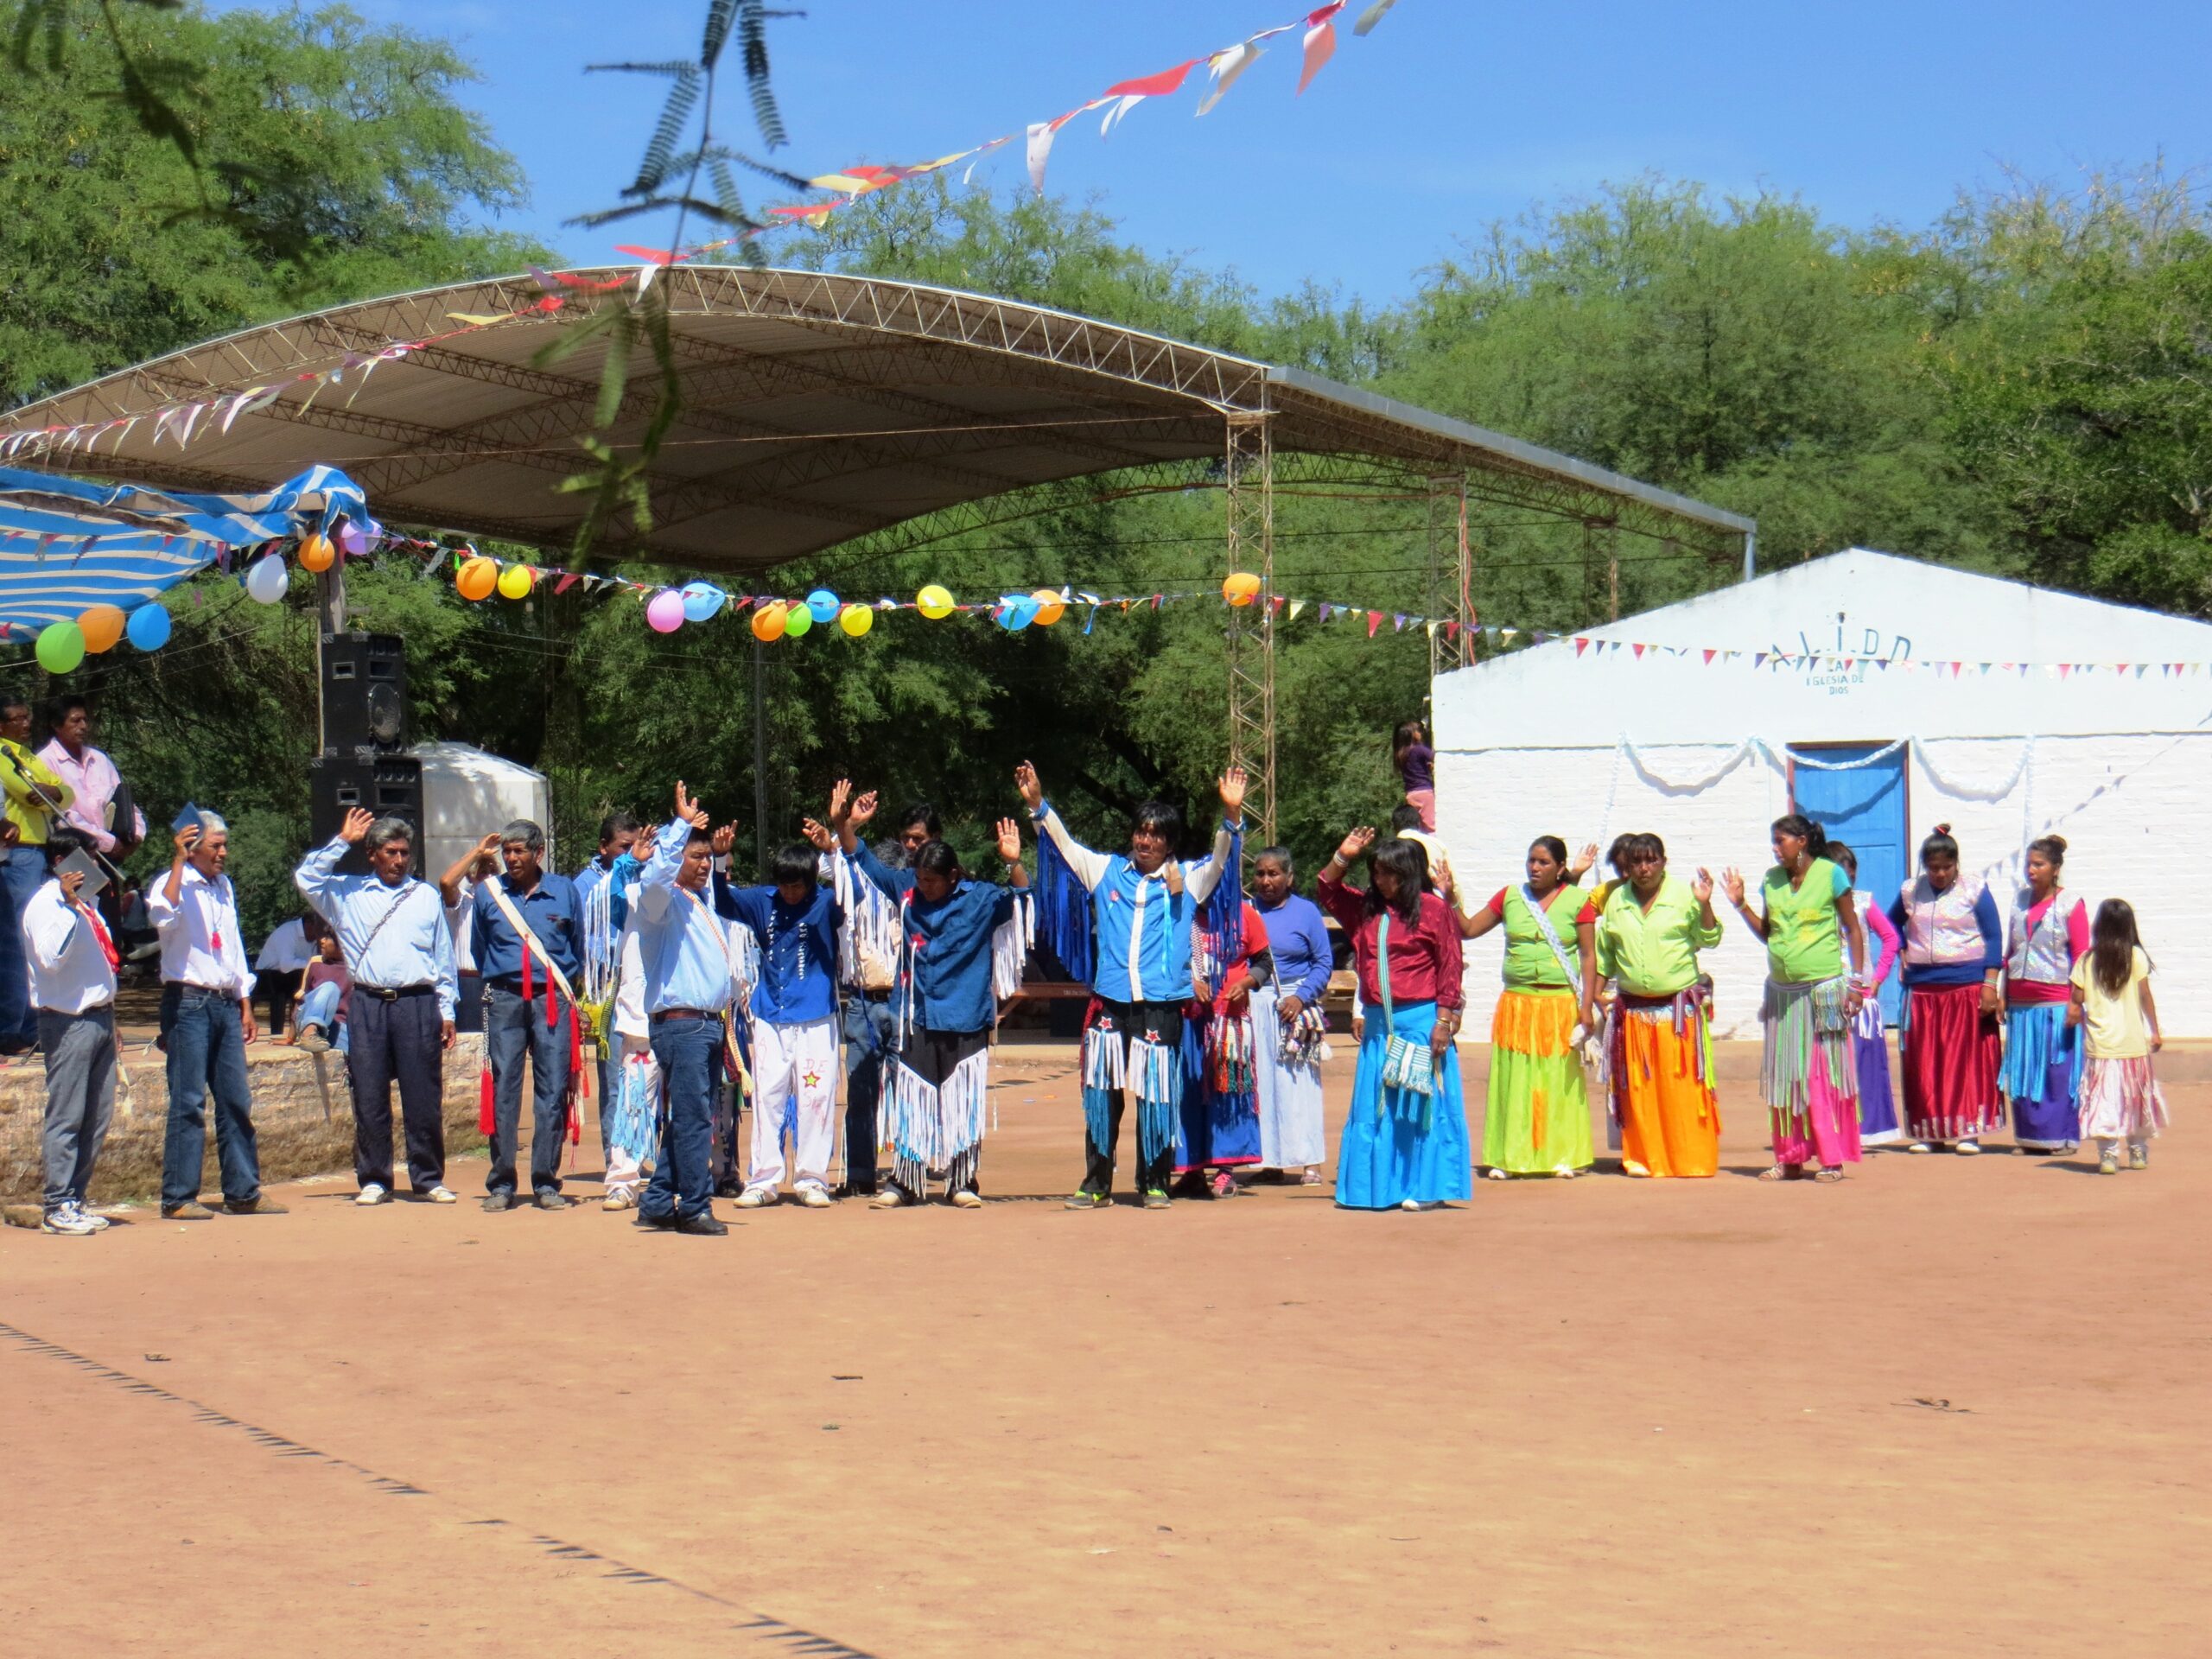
(1658, 1065)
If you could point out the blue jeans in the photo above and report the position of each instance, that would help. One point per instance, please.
(868, 1029)
(690, 1051)
(319, 1007)
(512, 1027)
(206, 1055)
(20, 875)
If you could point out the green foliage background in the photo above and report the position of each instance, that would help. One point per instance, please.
(2019, 388)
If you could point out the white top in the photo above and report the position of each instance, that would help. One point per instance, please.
(286, 951)
(199, 933)
(69, 971)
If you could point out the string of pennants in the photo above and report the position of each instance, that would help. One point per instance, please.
(1595, 649)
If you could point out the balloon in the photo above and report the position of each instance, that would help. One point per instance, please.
(798, 619)
(476, 578)
(664, 611)
(933, 602)
(102, 625)
(702, 599)
(266, 579)
(822, 603)
(1051, 607)
(60, 647)
(856, 620)
(351, 542)
(768, 622)
(516, 582)
(1241, 587)
(317, 554)
(148, 627)
(1014, 613)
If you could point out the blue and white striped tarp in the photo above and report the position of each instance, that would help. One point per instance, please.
(66, 546)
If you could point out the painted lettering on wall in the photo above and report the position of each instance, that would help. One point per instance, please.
(1845, 637)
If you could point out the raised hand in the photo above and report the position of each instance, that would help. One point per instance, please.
(1032, 792)
(487, 854)
(817, 835)
(1009, 841)
(689, 809)
(1701, 889)
(1732, 883)
(642, 847)
(1232, 792)
(1350, 848)
(863, 810)
(188, 837)
(841, 795)
(1583, 860)
(723, 839)
(358, 820)
(72, 882)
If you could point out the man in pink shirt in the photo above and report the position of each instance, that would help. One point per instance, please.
(91, 775)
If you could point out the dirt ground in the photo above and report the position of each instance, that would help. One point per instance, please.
(1948, 1407)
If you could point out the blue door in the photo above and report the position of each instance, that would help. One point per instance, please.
(1862, 807)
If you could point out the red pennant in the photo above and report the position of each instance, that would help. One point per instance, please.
(1581, 645)
(1709, 656)
(566, 582)
(1638, 650)
(1374, 621)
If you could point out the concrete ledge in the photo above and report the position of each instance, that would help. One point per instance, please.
(297, 1131)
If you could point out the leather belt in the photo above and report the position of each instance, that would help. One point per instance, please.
(687, 1014)
(393, 992)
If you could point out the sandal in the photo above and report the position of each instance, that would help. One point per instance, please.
(1781, 1173)
(1829, 1173)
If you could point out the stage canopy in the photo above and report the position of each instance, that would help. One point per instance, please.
(818, 410)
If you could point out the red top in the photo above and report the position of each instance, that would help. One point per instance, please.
(1425, 960)
(325, 973)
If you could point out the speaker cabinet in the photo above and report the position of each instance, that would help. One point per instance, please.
(364, 694)
(388, 785)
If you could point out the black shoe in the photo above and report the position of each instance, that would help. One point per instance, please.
(704, 1225)
(497, 1202)
(547, 1198)
(729, 1189)
(656, 1223)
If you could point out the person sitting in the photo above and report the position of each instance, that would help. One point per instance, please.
(326, 989)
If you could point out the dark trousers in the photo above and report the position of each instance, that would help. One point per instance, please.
(276, 988)
(1162, 1022)
(21, 870)
(512, 1029)
(690, 1050)
(397, 1041)
(205, 1043)
(868, 1027)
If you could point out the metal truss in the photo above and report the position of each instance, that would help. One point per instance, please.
(1249, 483)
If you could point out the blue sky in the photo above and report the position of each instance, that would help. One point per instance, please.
(1450, 115)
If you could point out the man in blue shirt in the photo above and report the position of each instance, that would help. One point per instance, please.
(685, 954)
(602, 925)
(528, 1005)
(399, 955)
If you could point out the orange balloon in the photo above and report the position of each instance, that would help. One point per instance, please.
(477, 577)
(102, 626)
(768, 622)
(317, 553)
(1241, 587)
(1051, 607)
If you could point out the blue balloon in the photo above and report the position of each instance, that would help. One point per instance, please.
(824, 604)
(148, 627)
(1016, 612)
(702, 599)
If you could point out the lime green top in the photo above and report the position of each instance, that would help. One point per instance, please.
(1804, 941)
(1530, 963)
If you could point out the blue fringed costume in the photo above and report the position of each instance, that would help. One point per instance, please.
(1129, 935)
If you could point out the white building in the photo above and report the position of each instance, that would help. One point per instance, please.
(1879, 696)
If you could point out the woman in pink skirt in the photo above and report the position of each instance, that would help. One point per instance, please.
(1948, 1046)
(2111, 1003)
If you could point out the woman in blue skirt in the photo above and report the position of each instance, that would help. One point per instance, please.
(2048, 934)
(1405, 1141)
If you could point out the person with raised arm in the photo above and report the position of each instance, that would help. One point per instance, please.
(1123, 923)
(963, 945)
(392, 930)
(73, 964)
(1404, 1144)
(1808, 1073)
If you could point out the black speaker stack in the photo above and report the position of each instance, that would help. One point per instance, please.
(363, 762)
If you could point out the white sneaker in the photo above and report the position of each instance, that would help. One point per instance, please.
(756, 1198)
(1919, 1146)
(372, 1194)
(619, 1197)
(441, 1194)
(68, 1219)
(1968, 1148)
(99, 1222)
(815, 1198)
(889, 1198)
(966, 1199)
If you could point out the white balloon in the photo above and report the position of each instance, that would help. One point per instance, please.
(266, 579)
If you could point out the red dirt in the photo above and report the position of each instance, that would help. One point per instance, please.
(1948, 1407)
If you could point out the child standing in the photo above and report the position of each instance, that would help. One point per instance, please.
(2112, 1003)
(1416, 763)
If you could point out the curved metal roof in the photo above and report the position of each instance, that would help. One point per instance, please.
(816, 409)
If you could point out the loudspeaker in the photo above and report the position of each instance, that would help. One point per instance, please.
(363, 693)
(390, 785)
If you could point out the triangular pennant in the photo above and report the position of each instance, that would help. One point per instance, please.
(1374, 623)
(1296, 606)
(1580, 645)
(1639, 650)
(1225, 66)
(1708, 659)
(1320, 41)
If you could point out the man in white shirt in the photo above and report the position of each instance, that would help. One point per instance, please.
(207, 1021)
(73, 965)
(277, 969)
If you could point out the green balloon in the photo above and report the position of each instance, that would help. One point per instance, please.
(60, 647)
(796, 621)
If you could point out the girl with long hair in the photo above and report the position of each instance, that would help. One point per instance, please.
(1948, 1046)
(2043, 1051)
(1869, 1044)
(2112, 1006)
(1416, 763)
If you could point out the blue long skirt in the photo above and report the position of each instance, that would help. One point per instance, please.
(1398, 1145)
(2042, 1075)
(1878, 1105)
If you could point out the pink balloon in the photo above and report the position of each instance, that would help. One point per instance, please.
(351, 542)
(664, 611)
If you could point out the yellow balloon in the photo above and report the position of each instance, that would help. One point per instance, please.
(768, 622)
(476, 578)
(1241, 587)
(102, 625)
(516, 582)
(316, 553)
(856, 620)
(1051, 607)
(933, 602)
